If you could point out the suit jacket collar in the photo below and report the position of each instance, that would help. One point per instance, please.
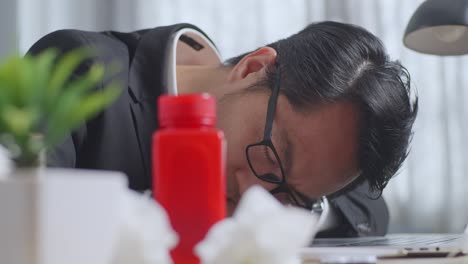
(147, 67)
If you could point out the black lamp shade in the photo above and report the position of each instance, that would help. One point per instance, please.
(439, 27)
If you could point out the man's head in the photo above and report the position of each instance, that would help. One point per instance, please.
(343, 113)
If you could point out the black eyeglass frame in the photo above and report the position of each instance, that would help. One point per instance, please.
(295, 196)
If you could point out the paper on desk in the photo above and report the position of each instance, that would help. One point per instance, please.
(261, 231)
(6, 165)
(145, 235)
(465, 240)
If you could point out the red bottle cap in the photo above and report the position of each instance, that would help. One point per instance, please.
(192, 110)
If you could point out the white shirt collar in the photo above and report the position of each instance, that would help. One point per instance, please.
(171, 63)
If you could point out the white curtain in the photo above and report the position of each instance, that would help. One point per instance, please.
(429, 195)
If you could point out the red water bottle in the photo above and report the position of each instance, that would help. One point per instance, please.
(189, 169)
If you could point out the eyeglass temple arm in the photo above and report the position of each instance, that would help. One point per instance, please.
(272, 105)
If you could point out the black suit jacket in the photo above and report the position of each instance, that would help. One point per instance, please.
(119, 138)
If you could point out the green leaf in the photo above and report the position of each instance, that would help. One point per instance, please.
(93, 104)
(76, 111)
(59, 117)
(25, 71)
(9, 80)
(79, 86)
(65, 67)
(18, 120)
(43, 69)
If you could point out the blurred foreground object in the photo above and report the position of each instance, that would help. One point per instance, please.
(41, 100)
(261, 231)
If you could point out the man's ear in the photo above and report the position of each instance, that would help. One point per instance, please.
(253, 64)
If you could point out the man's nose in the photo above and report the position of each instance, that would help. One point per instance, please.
(246, 178)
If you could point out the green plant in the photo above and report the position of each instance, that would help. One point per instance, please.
(41, 100)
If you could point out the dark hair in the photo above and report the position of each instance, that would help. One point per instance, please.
(328, 62)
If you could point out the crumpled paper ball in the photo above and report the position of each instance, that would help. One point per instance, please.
(6, 165)
(261, 231)
(145, 235)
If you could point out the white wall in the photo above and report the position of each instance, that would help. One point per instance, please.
(8, 28)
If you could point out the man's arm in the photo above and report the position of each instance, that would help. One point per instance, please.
(64, 154)
(355, 213)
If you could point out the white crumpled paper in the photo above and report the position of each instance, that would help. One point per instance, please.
(6, 165)
(145, 235)
(261, 231)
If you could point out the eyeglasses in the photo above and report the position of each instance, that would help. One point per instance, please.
(265, 163)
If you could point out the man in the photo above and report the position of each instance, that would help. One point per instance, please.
(332, 113)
